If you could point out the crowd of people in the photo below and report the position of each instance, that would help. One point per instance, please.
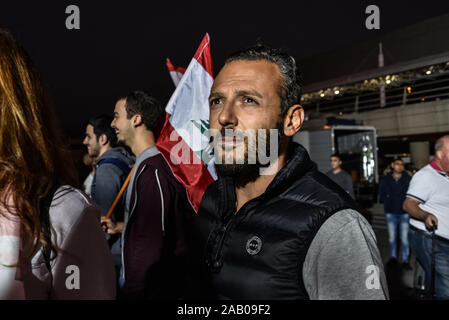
(133, 234)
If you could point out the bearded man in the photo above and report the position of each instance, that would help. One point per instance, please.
(272, 226)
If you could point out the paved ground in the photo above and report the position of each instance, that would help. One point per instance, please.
(380, 229)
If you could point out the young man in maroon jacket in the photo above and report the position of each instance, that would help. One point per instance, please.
(158, 215)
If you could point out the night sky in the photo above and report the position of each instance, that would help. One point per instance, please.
(123, 46)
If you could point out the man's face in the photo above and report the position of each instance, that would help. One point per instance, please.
(244, 98)
(443, 156)
(398, 166)
(121, 124)
(335, 163)
(91, 142)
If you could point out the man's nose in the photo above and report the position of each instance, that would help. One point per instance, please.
(227, 116)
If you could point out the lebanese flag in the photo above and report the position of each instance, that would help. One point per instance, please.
(175, 73)
(184, 140)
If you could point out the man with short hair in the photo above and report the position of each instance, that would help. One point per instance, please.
(158, 214)
(428, 204)
(392, 190)
(113, 164)
(339, 176)
(276, 229)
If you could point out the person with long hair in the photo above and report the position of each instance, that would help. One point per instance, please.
(51, 242)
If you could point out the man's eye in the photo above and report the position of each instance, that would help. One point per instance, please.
(215, 102)
(249, 100)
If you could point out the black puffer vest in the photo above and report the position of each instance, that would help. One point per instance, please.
(258, 253)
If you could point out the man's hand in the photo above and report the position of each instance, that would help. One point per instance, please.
(412, 207)
(110, 227)
(431, 222)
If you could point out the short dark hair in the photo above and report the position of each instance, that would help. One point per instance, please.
(149, 108)
(102, 125)
(290, 89)
(335, 155)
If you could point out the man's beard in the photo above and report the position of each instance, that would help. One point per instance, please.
(243, 173)
(95, 151)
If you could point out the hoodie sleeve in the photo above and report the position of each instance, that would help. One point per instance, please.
(106, 187)
(84, 269)
(350, 186)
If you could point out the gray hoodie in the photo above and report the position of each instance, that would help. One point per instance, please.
(109, 179)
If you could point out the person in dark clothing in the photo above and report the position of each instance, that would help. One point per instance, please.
(392, 192)
(276, 229)
(158, 215)
(113, 164)
(339, 176)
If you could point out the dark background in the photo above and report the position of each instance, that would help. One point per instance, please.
(123, 46)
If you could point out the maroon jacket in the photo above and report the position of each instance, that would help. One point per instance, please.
(154, 245)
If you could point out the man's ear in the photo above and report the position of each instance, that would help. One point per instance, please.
(439, 154)
(136, 120)
(293, 120)
(103, 139)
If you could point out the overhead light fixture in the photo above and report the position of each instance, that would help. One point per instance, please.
(428, 72)
(337, 91)
(322, 95)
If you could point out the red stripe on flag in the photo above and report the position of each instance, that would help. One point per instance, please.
(172, 68)
(203, 55)
(194, 176)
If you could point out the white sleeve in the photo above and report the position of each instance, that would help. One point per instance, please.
(420, 187)
(11, 281)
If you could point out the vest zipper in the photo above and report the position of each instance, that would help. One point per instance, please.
(216, 263)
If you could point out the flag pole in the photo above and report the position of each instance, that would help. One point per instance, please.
(119, 195)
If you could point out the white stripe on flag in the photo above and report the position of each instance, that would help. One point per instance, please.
(189, 103)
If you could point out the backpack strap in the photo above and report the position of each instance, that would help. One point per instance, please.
(117, 162)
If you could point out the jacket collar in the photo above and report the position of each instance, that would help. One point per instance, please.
(402, 175)
(437, 168)
(298, 164)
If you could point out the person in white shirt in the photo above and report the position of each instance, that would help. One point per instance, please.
(91, 163)
(427, 202)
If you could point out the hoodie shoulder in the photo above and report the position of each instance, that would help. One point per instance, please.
(68, 206)
(119, 153)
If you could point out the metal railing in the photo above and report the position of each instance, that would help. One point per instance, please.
(423, 90)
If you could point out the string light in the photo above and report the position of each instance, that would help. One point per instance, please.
(374, 84)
